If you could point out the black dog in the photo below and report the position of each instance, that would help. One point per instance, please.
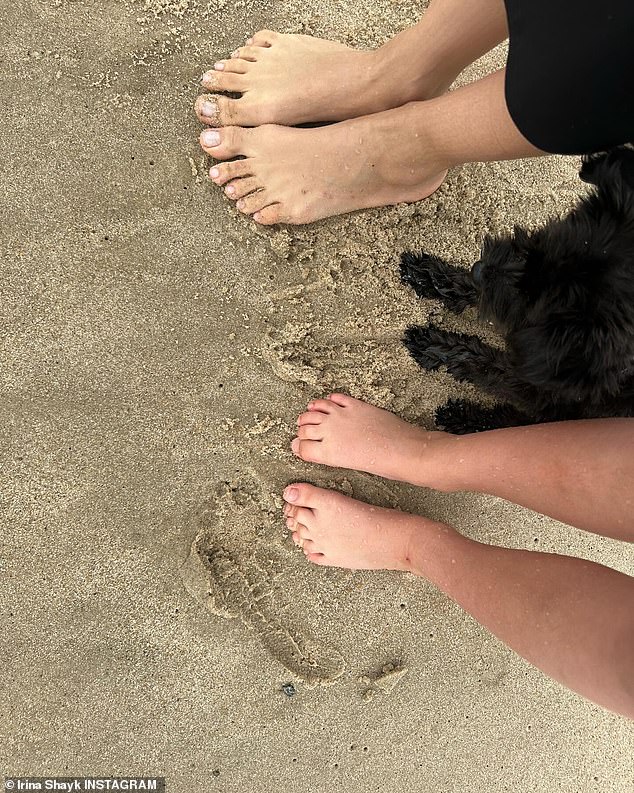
(563, 296)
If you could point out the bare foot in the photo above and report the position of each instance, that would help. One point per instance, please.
(335, 530)
(301, 175)
(347, 433)
(292, 79)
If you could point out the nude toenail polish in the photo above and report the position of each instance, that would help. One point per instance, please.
(209, 109)
(240, 204)
(219, 66)
(214, 173)
(211, 137)
(230, 189)
(291, 494)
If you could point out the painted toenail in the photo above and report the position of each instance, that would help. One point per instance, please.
(240, 204)
(214, 173)
(219, 66)
(291, 494)
(230, 189)
(211, 137)
(209, 109)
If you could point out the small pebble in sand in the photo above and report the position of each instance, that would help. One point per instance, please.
(289, 689)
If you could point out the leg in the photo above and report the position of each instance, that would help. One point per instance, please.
(571, 618)
(288, 79)
(301, 175)
(579, 472)
(431, 277)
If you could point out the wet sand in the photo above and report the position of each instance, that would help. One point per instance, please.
(156, 350)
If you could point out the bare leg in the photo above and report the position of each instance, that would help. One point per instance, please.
(571, 618)
(289, 79)
(579, 472)
(300, 175)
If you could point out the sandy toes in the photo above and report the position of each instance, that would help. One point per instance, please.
(348, 433)
(291, 79)
(333, 529)
(288, 175)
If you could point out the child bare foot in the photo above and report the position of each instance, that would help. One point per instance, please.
(297, 176)
(347, 433)
(335, 530)
(291, 79)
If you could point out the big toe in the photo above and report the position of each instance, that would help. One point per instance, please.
(224, 143)
(223, 111)
(301, 494)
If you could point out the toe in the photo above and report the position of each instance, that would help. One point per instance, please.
(254, 202)
(311, 417)
(304, 517)
(301, 494)
(234, 65)
(308, 546)
(242, 187)
(247, 53)
(343, 400)
(308, 451)
(263, 38)
(224, 144)
(222, 80)
(221, 111)
(271, 215)
(317, 558)
(224, 171)
(310, 432)
(320, 406)
(206, 108)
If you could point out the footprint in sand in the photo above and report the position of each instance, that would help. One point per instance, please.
(227, 572)
(295, 356)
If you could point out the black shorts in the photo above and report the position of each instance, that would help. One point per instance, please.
(570, 73)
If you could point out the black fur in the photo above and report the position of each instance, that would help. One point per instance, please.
(562, 296)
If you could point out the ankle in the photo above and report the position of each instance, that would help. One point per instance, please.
(422, 73)
(437, 462)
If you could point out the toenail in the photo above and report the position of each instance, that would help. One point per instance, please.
(211, 137)
(230, 189)
(219, 66)
(256, 216)
(214, 173)
(249, 41)
(235, 53)
(240, 204)
(209, 109)
(291, 494)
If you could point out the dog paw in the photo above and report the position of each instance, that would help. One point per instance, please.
(431, 277)
(429, 347)
(420, 271)
(461, 417)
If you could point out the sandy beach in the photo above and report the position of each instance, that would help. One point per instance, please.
(156, 349)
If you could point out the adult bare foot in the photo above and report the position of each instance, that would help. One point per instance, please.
(345, 432)
(335, 530)
(291, 79)
(297, 176)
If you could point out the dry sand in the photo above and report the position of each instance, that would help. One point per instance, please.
(156, 350)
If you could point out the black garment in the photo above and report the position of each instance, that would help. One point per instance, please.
(570, 73)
